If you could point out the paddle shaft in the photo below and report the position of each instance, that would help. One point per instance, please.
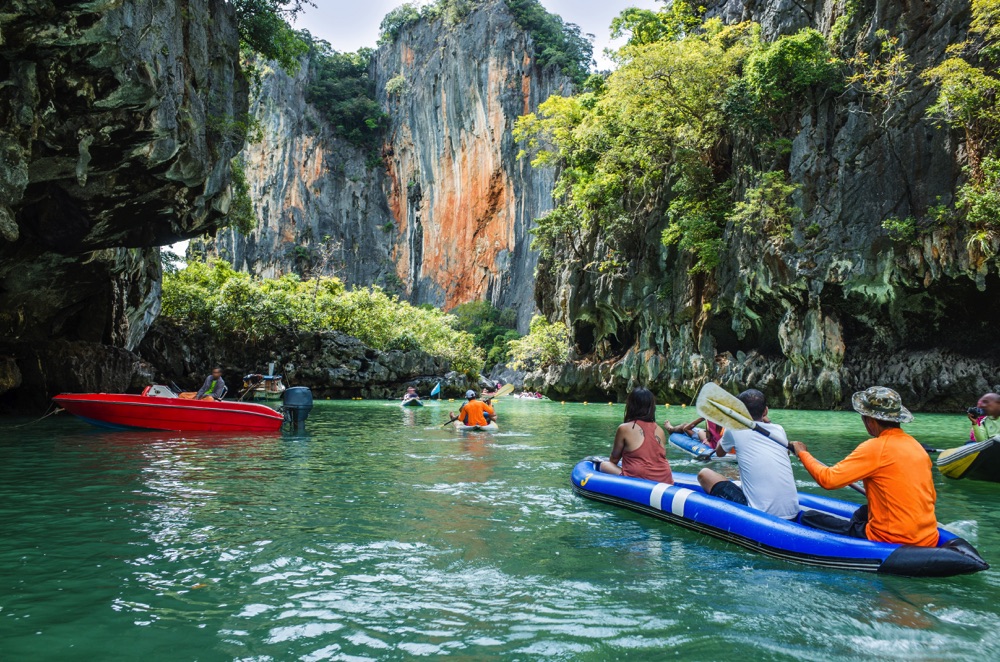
(750, 424)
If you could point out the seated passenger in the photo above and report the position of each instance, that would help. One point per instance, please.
(214, 387)
(896, 471)
(987, 425)
(474, 413)
(766, 478)
(639, 442)
(411, 394)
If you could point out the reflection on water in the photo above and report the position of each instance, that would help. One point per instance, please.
(380, 534)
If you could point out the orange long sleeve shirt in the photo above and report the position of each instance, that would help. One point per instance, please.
(896, 472)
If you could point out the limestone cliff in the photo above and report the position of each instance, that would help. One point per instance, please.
(829, 311)
(114, 140)
(446, 212)
(319, 202)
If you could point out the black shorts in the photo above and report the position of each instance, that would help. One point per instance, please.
(730, 491)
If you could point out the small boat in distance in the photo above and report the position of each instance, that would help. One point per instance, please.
(264, 387)
(159, 408)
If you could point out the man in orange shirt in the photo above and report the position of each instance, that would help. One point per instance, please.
(896, 471)
(475, 413)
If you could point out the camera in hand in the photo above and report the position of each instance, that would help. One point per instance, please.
(976, 411)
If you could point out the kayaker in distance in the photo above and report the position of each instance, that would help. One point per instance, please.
(411, 394)
(766, 476)
(639, 442)
(987, 424)
(896, 471)
(214, 387)
(474, 413)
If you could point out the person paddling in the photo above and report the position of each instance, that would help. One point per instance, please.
(639, 442)
(474, 413)
(896, 471)
(411, 394)
(767, 481)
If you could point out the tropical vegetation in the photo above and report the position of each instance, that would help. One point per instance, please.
(547, 343)
(493, 328)
(234, 305)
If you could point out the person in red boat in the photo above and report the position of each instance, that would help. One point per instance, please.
(639, 442)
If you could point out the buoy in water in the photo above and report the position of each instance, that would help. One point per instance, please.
(563, 402)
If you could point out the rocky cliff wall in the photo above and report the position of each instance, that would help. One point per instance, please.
(462, 202)
(113, 142)
(319, 199)
(446, 214)
(815, 317)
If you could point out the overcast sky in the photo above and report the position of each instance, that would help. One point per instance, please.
(349, 24)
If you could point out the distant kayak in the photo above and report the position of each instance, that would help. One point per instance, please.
(693, 446)
(979, 461)
(491, 427)
(686, 504)
(412, 402)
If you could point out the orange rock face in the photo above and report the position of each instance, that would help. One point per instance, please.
(461, 201)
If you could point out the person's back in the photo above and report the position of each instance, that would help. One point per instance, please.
(644, 455)
(473, 413)
(766, 476)
(900, 488)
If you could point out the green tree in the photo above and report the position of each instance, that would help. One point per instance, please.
(547, 343)
(342, 90)
(263, 27)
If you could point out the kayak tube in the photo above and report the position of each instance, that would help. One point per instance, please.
(694, 446)
(686, 504)
(979, 461)
(412, 402)
(491, 427)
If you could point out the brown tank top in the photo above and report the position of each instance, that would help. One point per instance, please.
(649, 461)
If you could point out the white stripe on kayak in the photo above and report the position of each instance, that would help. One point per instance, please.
(656, 496)
(680, 498)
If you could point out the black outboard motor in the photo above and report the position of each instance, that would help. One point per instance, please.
(297, 402)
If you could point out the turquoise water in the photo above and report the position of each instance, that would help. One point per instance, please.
(381, 536)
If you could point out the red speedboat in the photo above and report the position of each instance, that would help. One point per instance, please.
(165, 411)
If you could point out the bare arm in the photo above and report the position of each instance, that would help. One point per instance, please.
(618, 448)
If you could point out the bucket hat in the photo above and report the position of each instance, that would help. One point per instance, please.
(881, 403)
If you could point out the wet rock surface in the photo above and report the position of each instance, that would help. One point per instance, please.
(113, 141)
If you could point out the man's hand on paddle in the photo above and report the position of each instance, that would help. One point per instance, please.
(796, 447)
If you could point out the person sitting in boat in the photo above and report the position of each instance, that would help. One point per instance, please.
(986, 425)
(767, 481)
(710, 435)
(411, 394)
(896, 471)
(639, 442)
(214, 387)
(475, 413)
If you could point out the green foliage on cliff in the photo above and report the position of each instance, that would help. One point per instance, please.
(969, 99)
(342, 90)
(547, 343)
(556, 43)
(651, 143)
(241, 216)
(491, 327)
(263, 27)
(241, 308)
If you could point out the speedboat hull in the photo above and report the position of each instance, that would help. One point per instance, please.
(686, 504)
(142, 412)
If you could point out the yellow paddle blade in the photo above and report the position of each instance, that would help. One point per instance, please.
(506, 389)
(719, 406)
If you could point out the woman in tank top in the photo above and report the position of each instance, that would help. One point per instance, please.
(639, 442)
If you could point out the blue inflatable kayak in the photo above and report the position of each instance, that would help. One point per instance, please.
(412, 402)
(701, 451)
(685, 503)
